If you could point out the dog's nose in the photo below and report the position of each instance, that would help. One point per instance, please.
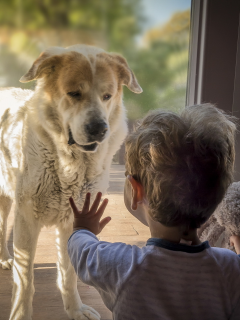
(97, 129)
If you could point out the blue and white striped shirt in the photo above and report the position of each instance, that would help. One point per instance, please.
(161, 281)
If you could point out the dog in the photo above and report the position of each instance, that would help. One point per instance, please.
(57, 141)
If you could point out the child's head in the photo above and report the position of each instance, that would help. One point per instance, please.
(184, 162)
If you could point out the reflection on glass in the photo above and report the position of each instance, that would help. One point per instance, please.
(152, 35)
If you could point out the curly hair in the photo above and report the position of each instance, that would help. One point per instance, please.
(184, 162)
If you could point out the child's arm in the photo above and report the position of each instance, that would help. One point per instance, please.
(235, 241)
(100, 264)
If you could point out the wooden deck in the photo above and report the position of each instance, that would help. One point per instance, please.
(47, 302)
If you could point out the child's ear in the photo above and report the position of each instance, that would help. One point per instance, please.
(137, 192)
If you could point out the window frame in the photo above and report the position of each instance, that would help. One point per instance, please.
(214, 58)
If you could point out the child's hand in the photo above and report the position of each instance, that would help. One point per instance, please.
(90, 219)
(235, 241)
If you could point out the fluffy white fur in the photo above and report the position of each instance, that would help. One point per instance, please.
(40, 170)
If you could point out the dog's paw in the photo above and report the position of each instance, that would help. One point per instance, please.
(6, 264)
(85, 313)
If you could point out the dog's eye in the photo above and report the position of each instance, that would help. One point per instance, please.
(106, 97)
(75, 94)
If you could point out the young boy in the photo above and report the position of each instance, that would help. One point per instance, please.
(178, 170)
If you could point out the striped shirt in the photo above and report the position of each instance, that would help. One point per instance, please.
(161, 281)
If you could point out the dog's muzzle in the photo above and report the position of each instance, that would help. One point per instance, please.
(88, 147)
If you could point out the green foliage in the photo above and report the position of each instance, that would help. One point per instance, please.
(119, 20)
(161, 68)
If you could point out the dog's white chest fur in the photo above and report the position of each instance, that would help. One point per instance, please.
(53, 184)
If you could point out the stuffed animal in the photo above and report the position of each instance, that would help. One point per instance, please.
(225, 221)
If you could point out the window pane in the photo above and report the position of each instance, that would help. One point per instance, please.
(152, 35)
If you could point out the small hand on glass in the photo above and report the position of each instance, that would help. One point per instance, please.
(90, 219)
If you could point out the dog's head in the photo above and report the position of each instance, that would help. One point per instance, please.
(84, 84)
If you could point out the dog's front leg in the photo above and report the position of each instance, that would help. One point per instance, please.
(25, 237)
(6, 260)
(67, 280)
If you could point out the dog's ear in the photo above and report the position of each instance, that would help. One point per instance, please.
(45, 64)
(126, 74)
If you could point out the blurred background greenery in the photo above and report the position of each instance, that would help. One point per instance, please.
(153, 35)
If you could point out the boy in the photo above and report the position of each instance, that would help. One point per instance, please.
(178, 170)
